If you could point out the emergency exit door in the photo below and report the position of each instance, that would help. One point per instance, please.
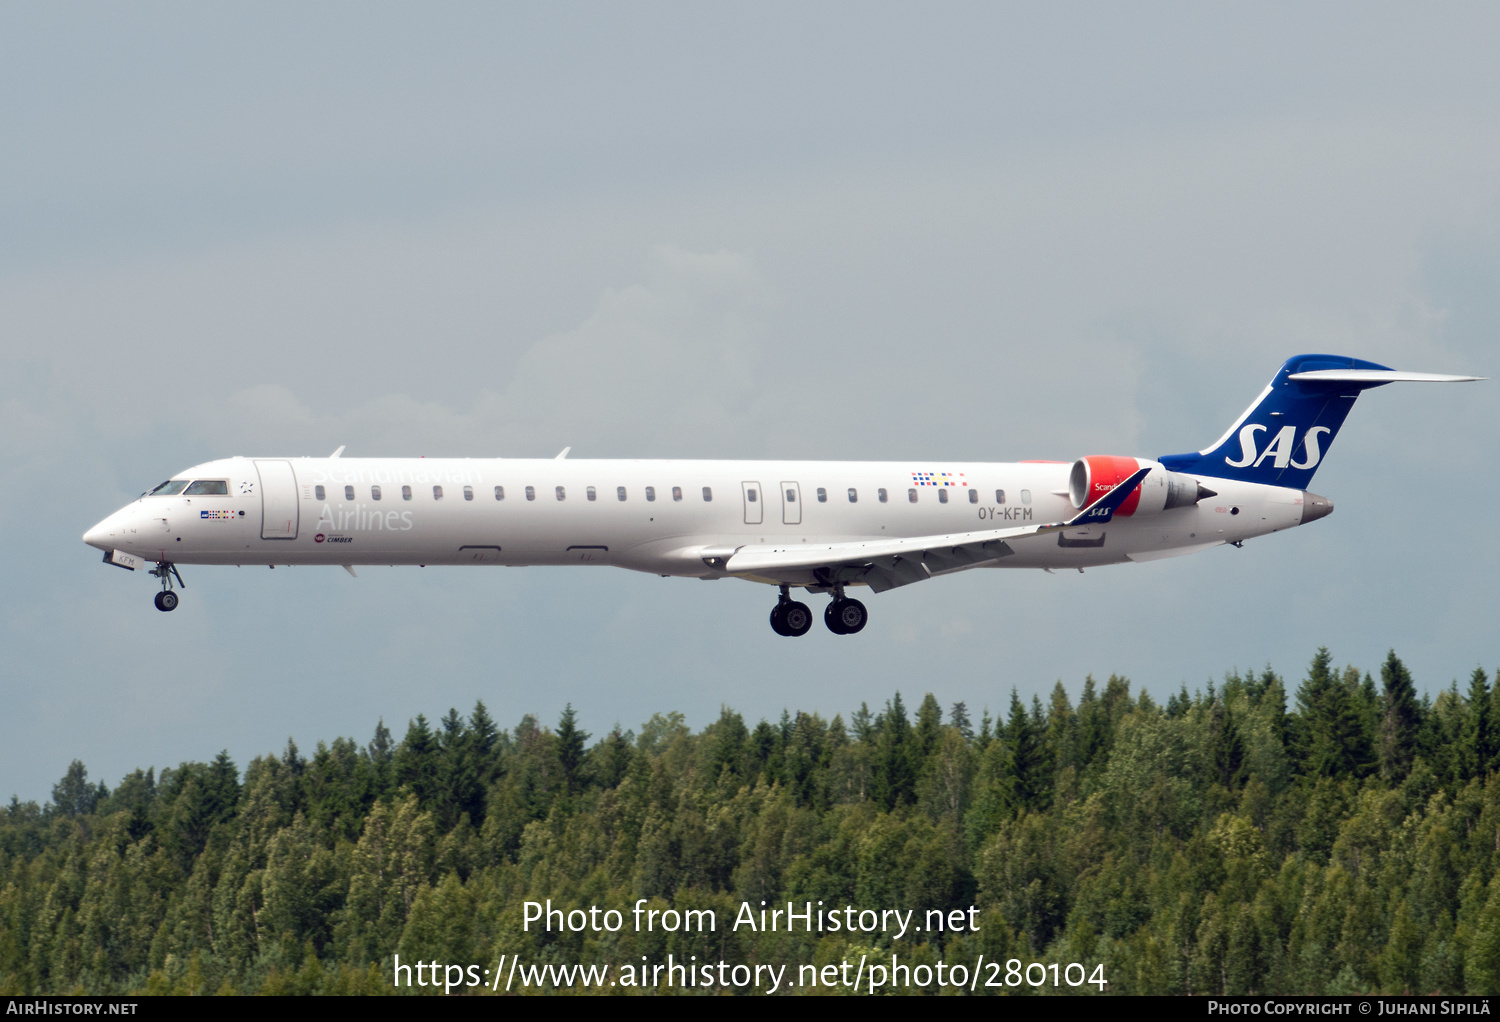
(755, 503)
(791, 504)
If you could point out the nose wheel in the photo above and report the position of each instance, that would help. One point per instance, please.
(789, 617)
(167, 599)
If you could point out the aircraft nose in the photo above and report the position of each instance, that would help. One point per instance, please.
(97, 536)
(106, 534)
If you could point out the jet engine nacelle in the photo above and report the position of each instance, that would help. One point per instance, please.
(1092, 477)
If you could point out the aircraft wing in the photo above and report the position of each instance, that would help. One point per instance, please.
(887, 563)
(884, 564)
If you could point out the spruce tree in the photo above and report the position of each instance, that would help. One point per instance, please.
(611, 758)
(570, 745)
(483, 739)
(1402, 719)
(895, 776)
(1091, 723)
(1309, 732)
(222, 787)
(416, 760)
(1228, 750)
(1479, 735)
(958, 717)
(1025, 746)
(929, 725)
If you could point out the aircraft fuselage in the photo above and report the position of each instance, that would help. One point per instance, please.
(650, 516)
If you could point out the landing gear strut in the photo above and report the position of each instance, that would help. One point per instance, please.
(789, 617)
(844, 616)
(167, 598)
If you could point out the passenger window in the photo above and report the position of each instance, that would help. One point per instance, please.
(318, 492)
(880, 495)
(822, 495)
(708, 494)
(1025, 496)
(374, 493)
(406, 493)
(677, 493)
(562, 494)
(620, 492)
(468, 493)
(999, 496)
(853, 496)
(170, 488)
(531, 493)
(208, 488)
(973, 496)
(499, 493)
(791, 496)
(348, 493)
(591, 493)
(911, 495)
(437, 493)
(750, 495)
(650, 493)
(942, 496)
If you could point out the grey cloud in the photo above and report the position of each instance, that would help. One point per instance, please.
(1001, 235)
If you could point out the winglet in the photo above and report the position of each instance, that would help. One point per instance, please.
(563, 455)
(1103, 509)
(336, 453)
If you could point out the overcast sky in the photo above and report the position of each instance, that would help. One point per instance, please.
(967, 232)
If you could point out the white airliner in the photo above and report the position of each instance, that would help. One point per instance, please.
(821, 526)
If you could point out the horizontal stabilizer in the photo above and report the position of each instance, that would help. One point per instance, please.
(1377, 376)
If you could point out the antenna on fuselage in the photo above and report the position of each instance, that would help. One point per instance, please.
(563, 455)
(336, 453)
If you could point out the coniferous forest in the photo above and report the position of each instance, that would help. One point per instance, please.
(1335, 834)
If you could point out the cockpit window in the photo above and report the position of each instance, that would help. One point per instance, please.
(170, 488)
(207, 487)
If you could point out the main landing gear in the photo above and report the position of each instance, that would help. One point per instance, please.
(843, 615)
(789, 617)
(167, 598)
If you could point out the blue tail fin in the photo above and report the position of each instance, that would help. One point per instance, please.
(1283, 436)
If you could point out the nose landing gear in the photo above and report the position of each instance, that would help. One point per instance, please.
(166, 600)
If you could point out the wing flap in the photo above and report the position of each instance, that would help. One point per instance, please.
(957, 550)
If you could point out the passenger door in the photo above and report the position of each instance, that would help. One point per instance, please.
(278, 500)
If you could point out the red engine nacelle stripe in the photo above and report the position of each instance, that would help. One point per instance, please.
(1105, 473)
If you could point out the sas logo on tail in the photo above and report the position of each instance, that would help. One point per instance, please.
(1279, 449)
